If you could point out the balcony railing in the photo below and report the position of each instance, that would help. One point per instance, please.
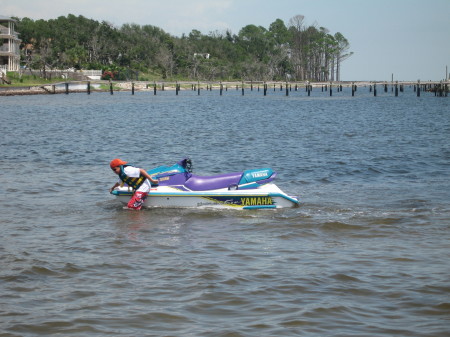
(6, 31)
(7, 49)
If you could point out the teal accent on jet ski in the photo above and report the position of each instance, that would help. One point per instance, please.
(251, 176)
(163, 171)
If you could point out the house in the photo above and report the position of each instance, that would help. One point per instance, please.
(204, 55)
(9, 45)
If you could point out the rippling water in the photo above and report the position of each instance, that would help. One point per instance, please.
(366, 253)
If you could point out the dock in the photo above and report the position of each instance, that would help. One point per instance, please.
(439, 88)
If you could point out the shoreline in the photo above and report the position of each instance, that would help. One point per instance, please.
(94, 86)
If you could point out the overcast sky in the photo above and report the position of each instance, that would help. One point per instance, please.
(407, 38)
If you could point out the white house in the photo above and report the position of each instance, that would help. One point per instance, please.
(9, 45)
(204, 55)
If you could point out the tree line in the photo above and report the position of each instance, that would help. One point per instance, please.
(294, 51)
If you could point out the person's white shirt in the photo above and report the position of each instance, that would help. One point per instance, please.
(134, 172)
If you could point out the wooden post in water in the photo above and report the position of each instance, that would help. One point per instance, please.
(309, 89)
(375, 90)
(242, 88)
(418, 88)
(287, 89)
(331, 89)
(198, 88)
(154, 88)
(89, 87)
(265, 89)
(353, 89)
(110, 87)
(132, 88)
(67, 88)
(392, 82)
(221, 88)
(176, 88)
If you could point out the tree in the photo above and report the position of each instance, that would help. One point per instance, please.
(341, 52)
(254, 41)
(296, 27)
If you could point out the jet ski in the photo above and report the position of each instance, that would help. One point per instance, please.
(179, 187)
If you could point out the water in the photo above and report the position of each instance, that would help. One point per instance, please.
(366, 253)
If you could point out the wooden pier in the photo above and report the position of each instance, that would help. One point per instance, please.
(439, 88)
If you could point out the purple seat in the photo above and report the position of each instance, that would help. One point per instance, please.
(204, 183)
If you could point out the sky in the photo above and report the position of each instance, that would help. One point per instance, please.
(407, 40)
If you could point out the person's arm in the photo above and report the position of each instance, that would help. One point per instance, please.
(112, 188)
(146, 175)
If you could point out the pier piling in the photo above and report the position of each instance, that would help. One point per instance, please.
(437, 88)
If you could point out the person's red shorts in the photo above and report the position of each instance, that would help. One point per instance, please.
(137, 200)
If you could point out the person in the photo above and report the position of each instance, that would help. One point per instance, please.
(136, 178)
